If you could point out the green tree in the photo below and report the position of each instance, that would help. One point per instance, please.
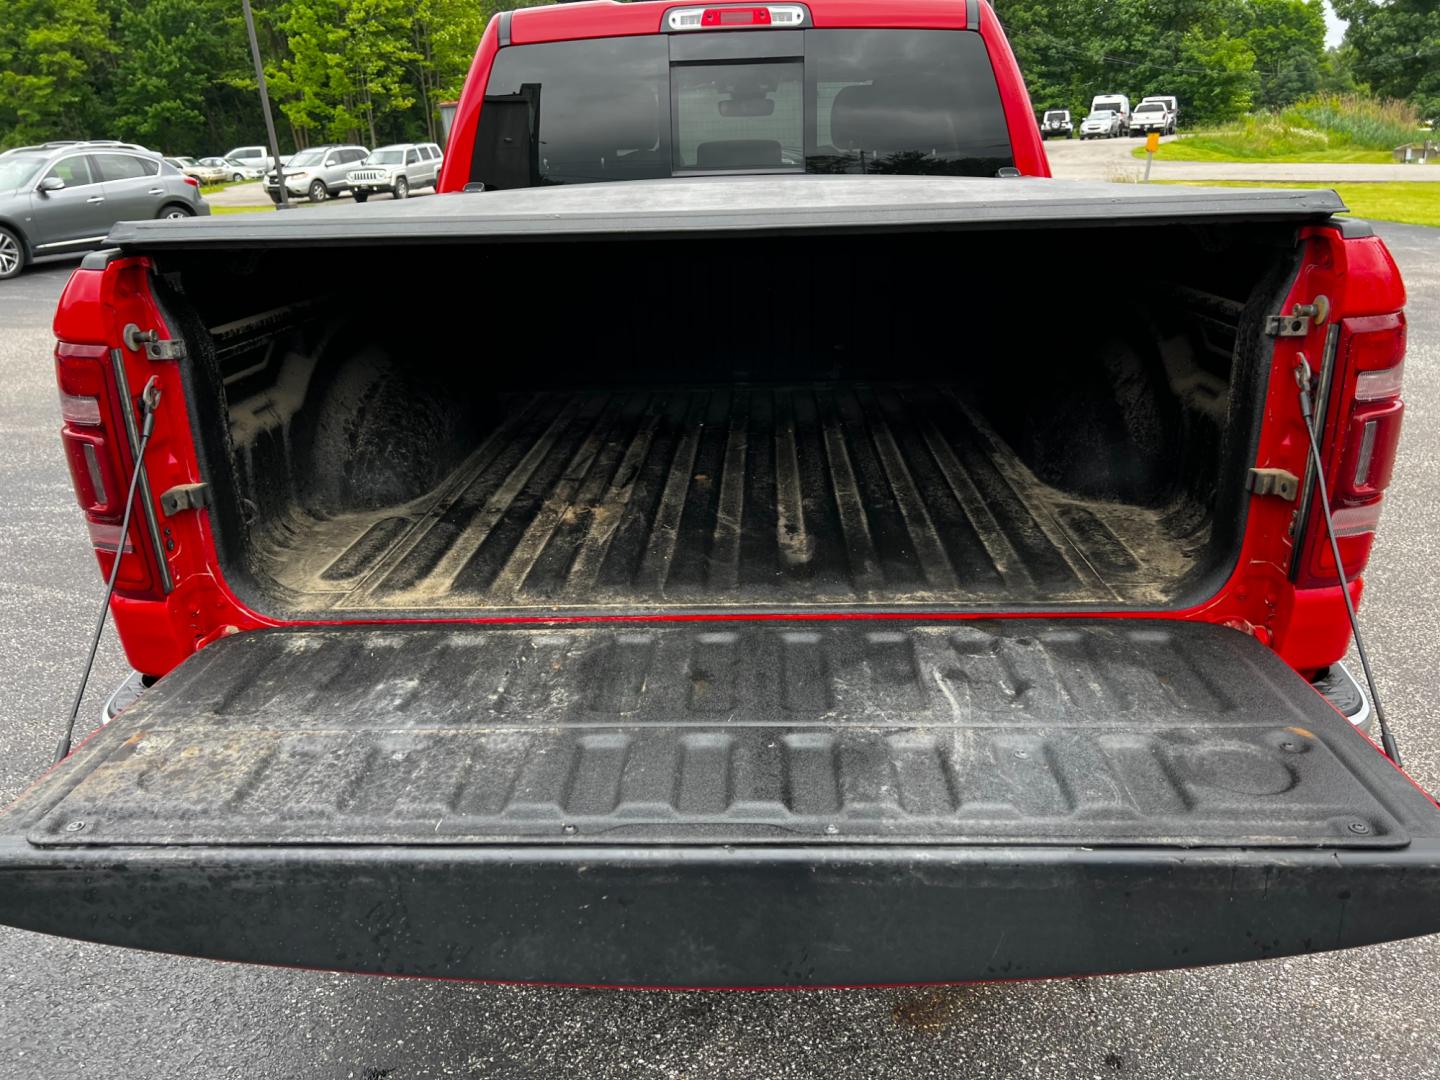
(1395, 48)
(1288, 40)
(182, 82)
(49, 51)
(444, 34)
(1071, 51)
(381, 48)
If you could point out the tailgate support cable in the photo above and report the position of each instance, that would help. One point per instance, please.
(1303, 377)
(149, 399)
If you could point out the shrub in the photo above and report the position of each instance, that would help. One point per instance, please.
(1356, 121)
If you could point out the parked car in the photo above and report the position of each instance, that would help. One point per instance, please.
(625, 583)
(317, 173)
(206, 174)
(62, 197)
(1056, 124)
(1103, 124)
(254, 157)
(398, 169)
(235, 171)
(1116, 103)
(1152, 116)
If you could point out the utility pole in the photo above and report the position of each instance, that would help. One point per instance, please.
(284, 203)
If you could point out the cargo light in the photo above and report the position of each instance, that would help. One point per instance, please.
(770, 16)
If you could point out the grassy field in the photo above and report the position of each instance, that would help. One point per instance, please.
(1222, 146)
(1413, 204)
(1323, 129)
(210, 189)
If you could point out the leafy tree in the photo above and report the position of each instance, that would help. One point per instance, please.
(311, 83)
(381, 49)
(49, 50)
(1297, 75)
(1395, 48)
(1071, 51)
(1288, 40)
(445, 34)
(181, 76)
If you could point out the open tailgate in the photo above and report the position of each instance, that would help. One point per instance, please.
(729, 803)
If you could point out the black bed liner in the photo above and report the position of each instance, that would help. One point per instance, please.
(1081, 733)
(812, 495)
(740, 802)
(736, 205)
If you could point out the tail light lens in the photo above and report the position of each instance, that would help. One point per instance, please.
(1365, 421)
(192, 181)
(98, 452)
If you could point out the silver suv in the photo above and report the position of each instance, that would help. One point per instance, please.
(64, 196)
(317, 173)
(398, 169)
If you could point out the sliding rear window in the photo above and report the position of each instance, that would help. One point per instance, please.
(819, 101)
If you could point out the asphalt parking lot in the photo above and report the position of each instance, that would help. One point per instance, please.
(71, 1009)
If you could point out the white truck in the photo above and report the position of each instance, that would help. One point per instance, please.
(1152, 116)
(1169, 103)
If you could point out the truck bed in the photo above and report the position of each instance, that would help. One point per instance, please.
(871, 416)
(799, 495)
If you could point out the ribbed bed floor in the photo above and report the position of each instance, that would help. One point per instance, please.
(810, 495)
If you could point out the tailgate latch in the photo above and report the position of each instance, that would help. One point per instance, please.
(1297, 323)
(1271, 482)
(156, 347)
(184, 497)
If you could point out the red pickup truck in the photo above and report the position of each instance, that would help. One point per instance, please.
(743, 556)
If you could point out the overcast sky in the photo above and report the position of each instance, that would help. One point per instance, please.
(1335, 28)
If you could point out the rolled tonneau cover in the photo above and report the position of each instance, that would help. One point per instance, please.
(736, 205)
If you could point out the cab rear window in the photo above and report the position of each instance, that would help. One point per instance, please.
(819, 101)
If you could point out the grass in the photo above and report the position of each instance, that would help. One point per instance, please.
(240, 209)
(210, 189)
(1322, 129)
(1404, 201)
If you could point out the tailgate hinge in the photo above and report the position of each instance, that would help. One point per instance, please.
(1273, 482)
(185, 497)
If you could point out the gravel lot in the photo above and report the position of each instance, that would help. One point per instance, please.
(69, 1009)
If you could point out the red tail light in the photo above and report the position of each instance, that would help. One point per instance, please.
(1365, 419)
(98, 451)
(192, 181)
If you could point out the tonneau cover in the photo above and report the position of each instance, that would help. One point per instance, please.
(744, 205)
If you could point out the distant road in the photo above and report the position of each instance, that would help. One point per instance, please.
(1109, 159)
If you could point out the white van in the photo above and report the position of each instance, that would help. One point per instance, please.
(1116, 103)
